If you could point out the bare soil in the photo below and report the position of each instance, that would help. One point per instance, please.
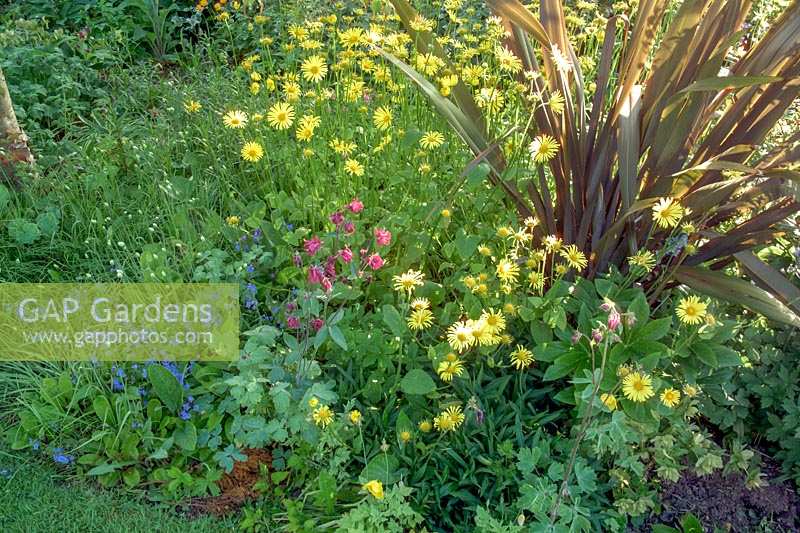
(237, 487)
(725, 502)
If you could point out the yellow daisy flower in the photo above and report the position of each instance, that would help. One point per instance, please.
(536, 280)
(556, 102)
(459, 335)
(609, 400)
(408, 281)
(375, 488)
(281, 115)
(643, 259)
(292, 90)
(543, 148)
(420, 319)
(192, 106)
(690, 390)
(574, 257)
(637, 387)
(353, 167)
(521, 358)
(304, 133)
(667, 213)
(420, 303)
(235, 119)
(351, 37)
(314, 68)
(450, 367)
(494, 320)
(322, 416)
(507, 270)
(507, 61)
(670, 397)
(431, 140)
(552, 243)
(449, 420)
(252, 152)
(382, 118)
(691, 310)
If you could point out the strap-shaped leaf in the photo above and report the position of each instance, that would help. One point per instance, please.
(770, 279)
(628, 148)
(736, 291)
(728, 82)
(648, 19)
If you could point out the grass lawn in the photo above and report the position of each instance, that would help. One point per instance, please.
(33, 498)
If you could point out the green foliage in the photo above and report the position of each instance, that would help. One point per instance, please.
(124, 425)
(689, 524)
(375, 420)
(762, 398)
(53, 78)
(393, 513)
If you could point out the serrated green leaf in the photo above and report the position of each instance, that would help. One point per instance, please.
(186, 436)
(392, 318)
(22, 231)
(417, 381)
(654, 330)
(338, 337)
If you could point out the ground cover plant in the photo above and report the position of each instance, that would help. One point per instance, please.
(502, 267)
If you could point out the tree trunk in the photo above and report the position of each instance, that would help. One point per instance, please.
(13, 141)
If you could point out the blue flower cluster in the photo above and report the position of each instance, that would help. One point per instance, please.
(59, 457)
(250, 302)
(187, 408)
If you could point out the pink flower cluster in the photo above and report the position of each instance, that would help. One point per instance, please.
(325, 272)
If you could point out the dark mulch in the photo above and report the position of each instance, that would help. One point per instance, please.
(725, 502)
(237, 487)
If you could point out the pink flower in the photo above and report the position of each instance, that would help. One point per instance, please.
(330, 266)
(349, 227)
(383, 236)
(355, 206)
(315, 274)
(317, 324)
(312, 246)
(597, 335)
(346, 254)
(292, 322)
(326, 284)
(337, 218)
(374, 261)
(614, 320)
